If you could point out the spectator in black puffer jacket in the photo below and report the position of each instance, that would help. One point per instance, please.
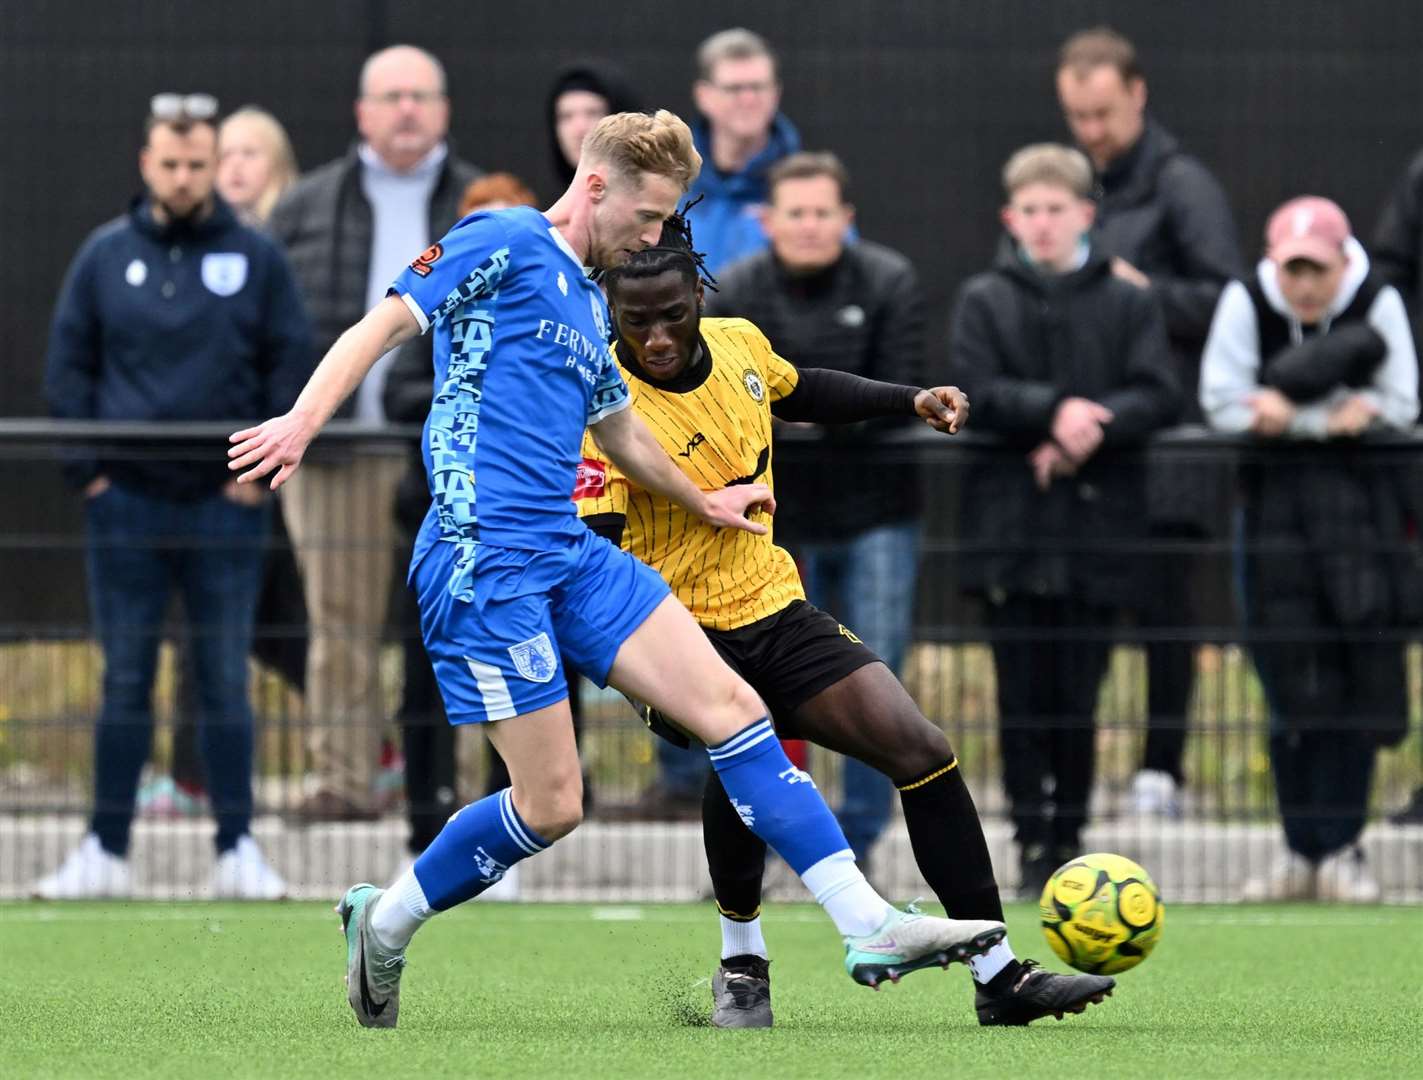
(1163, 221)
(1312, 353)
(1066, 363)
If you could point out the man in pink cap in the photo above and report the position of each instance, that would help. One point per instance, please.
(1311, 353)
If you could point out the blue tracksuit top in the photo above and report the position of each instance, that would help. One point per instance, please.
(184, 321)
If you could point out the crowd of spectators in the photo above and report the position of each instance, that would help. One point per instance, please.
(1119, 304)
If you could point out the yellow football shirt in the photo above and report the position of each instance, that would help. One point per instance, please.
(718, 433)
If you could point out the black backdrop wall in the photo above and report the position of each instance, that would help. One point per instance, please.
(923, 99)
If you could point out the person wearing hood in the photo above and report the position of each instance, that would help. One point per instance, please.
(581, 96)
(173, 312)
(1067, 364)
(1164, 223)
(350, 226)
(1309, 355)
(740, 134)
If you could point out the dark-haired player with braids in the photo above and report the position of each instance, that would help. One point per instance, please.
(708, 388)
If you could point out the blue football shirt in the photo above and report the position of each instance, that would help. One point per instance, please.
(522, 366)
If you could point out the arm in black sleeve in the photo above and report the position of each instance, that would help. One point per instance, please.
(1148, 397)
(1306, 372)
(608, 526)
(1207, 252)
(1004, 402)
(71, 375)
(823, 396)
(899, 340)
(1399, 232)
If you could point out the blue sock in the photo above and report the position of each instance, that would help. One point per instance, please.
(777, 801)
(473, 850)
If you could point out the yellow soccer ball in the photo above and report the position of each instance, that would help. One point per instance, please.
(1101, 913)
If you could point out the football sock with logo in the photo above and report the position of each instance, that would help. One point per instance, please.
(474, 849)
(781, 805)
(947, 838)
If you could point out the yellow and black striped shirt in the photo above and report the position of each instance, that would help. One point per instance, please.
(717, 433)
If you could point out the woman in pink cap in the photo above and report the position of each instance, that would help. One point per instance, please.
(1311, 354)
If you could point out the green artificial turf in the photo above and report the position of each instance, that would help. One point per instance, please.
(569, 991)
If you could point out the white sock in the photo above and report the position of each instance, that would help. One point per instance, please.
(991, 963)
(742, 938)
(401, 910)
(839, 887)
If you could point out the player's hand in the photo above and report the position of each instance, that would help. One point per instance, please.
(730, 507)
(1351, 418)
(1049, 462)
(944, 408)
(275, 444)
(1077, 427)
(1273, 413)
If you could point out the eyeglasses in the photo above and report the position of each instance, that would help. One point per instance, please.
(393, 97)
(737, 89)
(170, 106)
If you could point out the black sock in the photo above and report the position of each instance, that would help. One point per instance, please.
(948, 843)
(736, 856)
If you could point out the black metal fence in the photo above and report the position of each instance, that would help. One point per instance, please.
(1219, 828)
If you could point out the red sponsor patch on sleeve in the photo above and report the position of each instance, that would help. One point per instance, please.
(426, 259)
(591, 481)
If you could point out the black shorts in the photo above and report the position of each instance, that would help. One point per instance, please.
(791, 656)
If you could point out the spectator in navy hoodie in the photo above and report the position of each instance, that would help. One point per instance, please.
(173, 312)
(741, 134)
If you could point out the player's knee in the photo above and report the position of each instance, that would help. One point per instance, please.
(555, 808)
(919, 746)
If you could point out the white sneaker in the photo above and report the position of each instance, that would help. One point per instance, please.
(1290, 877)
(89, 873)
(244, 873)
(1344, 876)
(505, 889)
(1153, 794)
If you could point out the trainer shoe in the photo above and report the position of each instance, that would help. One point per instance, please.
(1290, 877)
(741, 993)
(1154, 794)
(1029, 993)
(1345, 877)
(910, 940)
(89, 873)
(243, 873)
(372, 970)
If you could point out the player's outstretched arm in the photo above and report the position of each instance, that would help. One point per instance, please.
(824, 396)
(279, 443)
(624, 438)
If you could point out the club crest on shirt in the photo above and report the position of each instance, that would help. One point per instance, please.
(534, 659)
(225, 273)
(754, 386)
(562, 283)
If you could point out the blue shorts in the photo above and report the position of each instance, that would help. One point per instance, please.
(501, 653)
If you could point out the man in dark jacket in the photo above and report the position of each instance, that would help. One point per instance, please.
(173, 312)
(855, 308)
(1164, 224)
(350, 227)
(741, 134)
(1310, 353)
(1067, 363)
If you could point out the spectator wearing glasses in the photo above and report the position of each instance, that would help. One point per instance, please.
(175, 311)
(350, 227)
(741, 134)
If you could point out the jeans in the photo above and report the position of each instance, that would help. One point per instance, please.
(141, 547)
(868, 582)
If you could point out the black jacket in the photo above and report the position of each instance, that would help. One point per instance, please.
(184, 321)
(864, 316)
(1021, 343)
(325, 224)
(1397, 250)
(409, 388)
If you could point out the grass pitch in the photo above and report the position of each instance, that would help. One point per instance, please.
(571, 991)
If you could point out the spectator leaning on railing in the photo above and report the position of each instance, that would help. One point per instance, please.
(175, 311)
(1316, 351)
(1164, 223)
(1067, 364)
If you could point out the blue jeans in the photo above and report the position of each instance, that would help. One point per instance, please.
(868, 583)
(141, 547)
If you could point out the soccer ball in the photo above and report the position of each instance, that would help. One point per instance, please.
(1101, 913)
